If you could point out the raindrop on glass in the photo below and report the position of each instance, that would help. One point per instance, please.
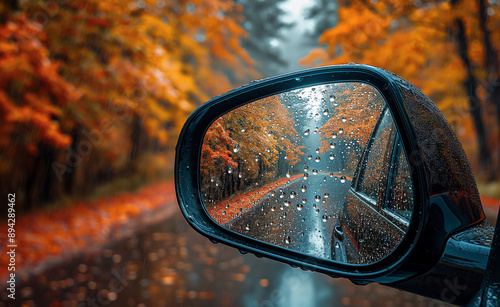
(317, 198)
(300, 207)
(317, 159)
(315, 171)
(304, 188)
(236, 148)
(325, 218)
(343, 179)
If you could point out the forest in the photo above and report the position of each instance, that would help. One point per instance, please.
(94, 93)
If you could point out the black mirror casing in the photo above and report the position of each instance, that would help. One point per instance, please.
(445, 194)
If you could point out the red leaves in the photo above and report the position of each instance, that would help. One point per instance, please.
(31, 90)
(62, 232)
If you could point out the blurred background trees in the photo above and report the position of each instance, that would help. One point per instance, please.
(92, 91)
(449, 49)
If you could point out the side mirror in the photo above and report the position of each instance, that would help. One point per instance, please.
(346, 170)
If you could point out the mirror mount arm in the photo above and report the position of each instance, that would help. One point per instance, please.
(490, 287)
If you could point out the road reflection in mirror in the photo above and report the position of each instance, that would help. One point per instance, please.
(308, 170)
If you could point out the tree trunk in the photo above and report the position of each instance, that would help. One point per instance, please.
(491, 62)
(470, 87)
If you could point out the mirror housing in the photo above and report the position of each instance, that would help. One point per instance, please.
(446, 199)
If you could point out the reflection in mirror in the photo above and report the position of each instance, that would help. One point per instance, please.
(304, 170)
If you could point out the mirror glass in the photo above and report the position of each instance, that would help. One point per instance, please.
(319, 170)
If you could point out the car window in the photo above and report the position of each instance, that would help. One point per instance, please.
(401, 201)
(376, 161)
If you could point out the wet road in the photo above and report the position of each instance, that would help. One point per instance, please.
(300, 215)
(169, 264)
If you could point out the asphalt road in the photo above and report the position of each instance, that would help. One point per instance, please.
(300, 215)
(169, 264)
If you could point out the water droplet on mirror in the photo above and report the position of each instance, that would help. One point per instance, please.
(300, 207)
(317, 198)
(236, 148)
(304, 188)
(315, 171)
(317, 159)
(342, 179)
(332, 98)
(325, 218)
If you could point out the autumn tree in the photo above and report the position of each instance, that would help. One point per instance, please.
(247, 146)
(434, 45)
(88, 88)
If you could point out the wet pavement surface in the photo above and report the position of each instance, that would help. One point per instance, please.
(169, 264)
(299, 215)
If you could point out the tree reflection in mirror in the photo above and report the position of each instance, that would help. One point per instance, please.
(284, 170)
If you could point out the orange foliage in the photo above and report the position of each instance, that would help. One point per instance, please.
(32, 94)
(410, 39)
